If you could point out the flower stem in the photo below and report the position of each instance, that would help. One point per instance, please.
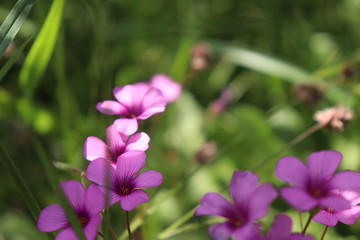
(101, 235)
(301, 220)
(128, 224)
(293, 142)
(323, 235)
(307, 224)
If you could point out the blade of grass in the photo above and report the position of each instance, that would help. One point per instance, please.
(14, 57)
(54, 181)
(261, 63)
(13, 22)
(39, 56)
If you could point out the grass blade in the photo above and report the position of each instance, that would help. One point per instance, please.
(13, 22)
(262, 63)
(39, 56)
(14, 57)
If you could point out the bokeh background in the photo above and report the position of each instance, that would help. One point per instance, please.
(274, 62)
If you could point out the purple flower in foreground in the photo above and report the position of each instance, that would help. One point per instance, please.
(117, 144)
(313, 185)
(86, 203)
(122, 182)
(135, 102)
(281, 230)
(250, 203)
(330, 216)
(169, 88)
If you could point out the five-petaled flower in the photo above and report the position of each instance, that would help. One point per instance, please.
(313, 185)
(87, 205)
(348, 214)
(117, 144)
(250, 203)
(122, 183)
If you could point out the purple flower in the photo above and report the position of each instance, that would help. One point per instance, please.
(313, 185)
(348, 215)
(117, 144)
(86, 203)
(250, 202)
(281, 230)
(122, 182)
(170, 89)
(135, 102)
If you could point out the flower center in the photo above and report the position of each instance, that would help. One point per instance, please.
(125, 190)
(83, 221)
(330, 210)
(317, 194)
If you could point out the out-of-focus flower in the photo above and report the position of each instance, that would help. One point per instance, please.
(206, 153)
(170, 89)
(220, 104)
(135, 102)
(313, 185)
(309, 93)
(250, 202)
(123, 183)
(348, 71)
(87, 205)
(330, 216)
(117, 144)
(281, 230)
(335, 118)
(200, 56)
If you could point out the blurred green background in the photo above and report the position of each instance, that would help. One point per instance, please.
(265, 52)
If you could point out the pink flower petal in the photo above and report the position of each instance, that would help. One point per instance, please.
(129, 163)
(346, 180)
(94, 200)
(335, 202)
(148, 179)
(247, 231)
(326, 218)
(221, 231)
(139, 141)
(298, 198)
(66, 234)
(75, 193)
(323, 164)
(281, 228)
(91, 228)
(126, 126)
(293, 171)
(129, 202)
(131, 96)
(95, 148)
(169, 88)
(52, 218)
(260, 200)
(349, 216)
(213, 204)
(101, 172)
(153, 102)
(116, 140)
(111, 108)
(242, 185)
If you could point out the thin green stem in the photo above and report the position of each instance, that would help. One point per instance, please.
(323, 235)
(293, 142)
(101, 235)
(301, 221)
(307, 224)
(107, 223)
(128, 224)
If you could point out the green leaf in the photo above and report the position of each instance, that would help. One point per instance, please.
(39, 56)
(12, 23)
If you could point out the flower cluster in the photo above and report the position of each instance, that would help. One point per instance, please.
(115, 164)
(329, 197)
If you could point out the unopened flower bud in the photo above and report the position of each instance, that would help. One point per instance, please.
(200, 56)
(206, 153)
(220, 104)
(335, 118)
(308, 93)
